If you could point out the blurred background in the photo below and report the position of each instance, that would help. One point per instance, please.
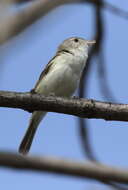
(23, 57)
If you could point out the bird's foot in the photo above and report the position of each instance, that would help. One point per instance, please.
(33, 91)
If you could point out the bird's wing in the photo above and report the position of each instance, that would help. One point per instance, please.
(45, 71)
(48, 67)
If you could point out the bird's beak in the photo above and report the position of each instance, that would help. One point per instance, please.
(91, 42)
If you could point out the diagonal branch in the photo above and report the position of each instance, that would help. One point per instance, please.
(66, 167)
(14, 24)
(73, 106)
(116, 10)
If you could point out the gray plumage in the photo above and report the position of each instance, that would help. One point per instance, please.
(60, 77)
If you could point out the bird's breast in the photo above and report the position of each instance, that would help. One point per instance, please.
(60, 81)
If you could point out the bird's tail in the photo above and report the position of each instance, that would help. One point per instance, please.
(36, 118)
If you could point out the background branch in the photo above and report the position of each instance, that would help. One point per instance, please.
(15, 23)
(83, 128)
(66, 167)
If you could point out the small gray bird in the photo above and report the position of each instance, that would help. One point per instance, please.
(60, 77)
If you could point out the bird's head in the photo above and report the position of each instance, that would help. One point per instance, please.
(76, 44)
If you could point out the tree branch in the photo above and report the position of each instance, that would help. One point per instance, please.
(73, 106)
(65, 167)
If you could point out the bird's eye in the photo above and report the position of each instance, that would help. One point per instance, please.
(76, 40)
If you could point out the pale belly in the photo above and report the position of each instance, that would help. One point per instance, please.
(59, 82)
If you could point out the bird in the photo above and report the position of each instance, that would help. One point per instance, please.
(61, 77)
